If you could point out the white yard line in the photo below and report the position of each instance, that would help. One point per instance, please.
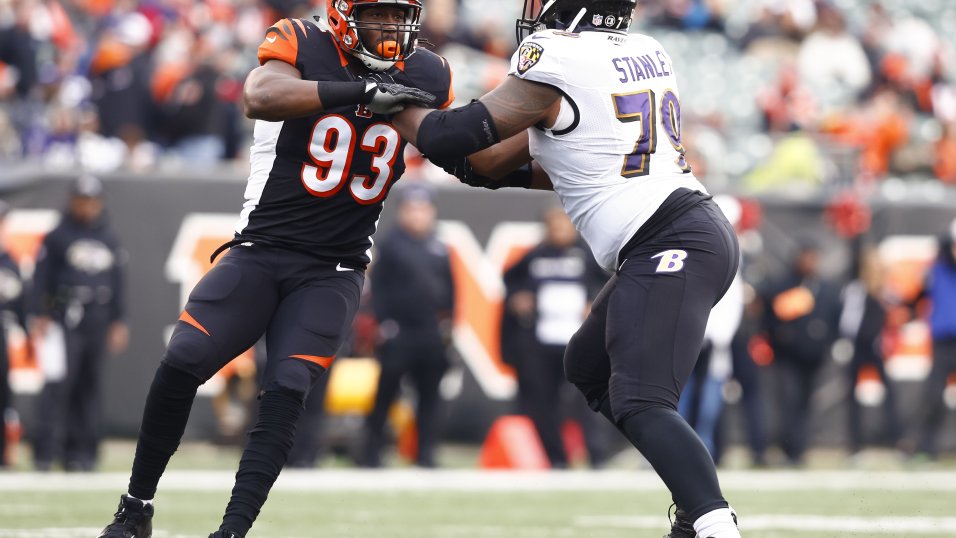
(810, 524)
(900, 526)
(451, 480)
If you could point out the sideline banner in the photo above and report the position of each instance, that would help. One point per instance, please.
(169, 226)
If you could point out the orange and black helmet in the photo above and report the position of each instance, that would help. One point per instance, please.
(345, 26)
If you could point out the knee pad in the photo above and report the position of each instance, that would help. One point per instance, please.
(293, 377)
(192, 352)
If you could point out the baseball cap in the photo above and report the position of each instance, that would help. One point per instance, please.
(416, 192)
(87, 186)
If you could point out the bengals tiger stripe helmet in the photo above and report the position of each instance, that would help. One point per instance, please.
(343, 21)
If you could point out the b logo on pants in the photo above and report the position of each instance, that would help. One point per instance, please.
(671, 261)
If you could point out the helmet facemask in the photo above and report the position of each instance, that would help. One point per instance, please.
(375, 53)
(572, 15)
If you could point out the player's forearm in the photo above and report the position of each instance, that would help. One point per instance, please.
(408, 122)
(501, 159)
(273, 96)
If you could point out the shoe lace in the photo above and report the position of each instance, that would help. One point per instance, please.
(124, 518)
(678, 519)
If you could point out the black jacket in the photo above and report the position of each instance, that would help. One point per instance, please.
(79, 265)
(13, 292)
(805, 338)
(544, 264)
(412, 283)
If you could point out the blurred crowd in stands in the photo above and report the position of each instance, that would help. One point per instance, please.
(798, 91)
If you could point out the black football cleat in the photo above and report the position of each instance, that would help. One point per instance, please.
(225, 534)
(133, 519)
(681, 526)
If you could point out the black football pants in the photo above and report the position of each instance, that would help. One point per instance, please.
(638, 346)
(305, 308)
(69, 409)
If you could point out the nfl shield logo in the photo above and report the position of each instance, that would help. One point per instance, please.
(528, 56)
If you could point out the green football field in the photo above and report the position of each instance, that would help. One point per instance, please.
(881, 498)
(473, 504)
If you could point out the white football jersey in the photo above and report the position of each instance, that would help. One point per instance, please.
(614, 154)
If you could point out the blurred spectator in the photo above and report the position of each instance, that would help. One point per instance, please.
(746, 371)
(193, 114)
(800, 318)
(413, 296)
(686, 14)
(831, 60)
(79, 309)
(788, 105)
(945, 164)
(776, 20)
(862, 322)
(940, 289)
(12, 302)
(119, 76)
(18, 51)
(442, 25)
(795, 160)
(164, 77)
(74, 141)
(548, 294)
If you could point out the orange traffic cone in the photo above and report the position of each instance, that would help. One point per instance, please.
(513, 443)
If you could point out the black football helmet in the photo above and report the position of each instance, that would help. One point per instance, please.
(571, 15)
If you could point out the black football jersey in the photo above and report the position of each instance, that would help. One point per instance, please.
(317, 183)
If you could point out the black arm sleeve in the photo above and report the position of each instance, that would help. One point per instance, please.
(449, 281)
(44, 278)
(446, 135)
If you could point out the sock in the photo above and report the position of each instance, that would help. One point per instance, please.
(678, 456)
(145, 503)
(267, 451)
(167, 409)
(717, 523)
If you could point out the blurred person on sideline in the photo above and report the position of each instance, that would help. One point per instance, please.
(831, 60)
(119, 71)
(801, 312)
(861, 324)
(548, 294)
(702, 400)
(592, 112)
(323, 159)
(194, 116)
(413, 296)
(78, 309)
(940, 290)
(13, 301)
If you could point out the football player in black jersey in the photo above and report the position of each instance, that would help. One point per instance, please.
(323, 159)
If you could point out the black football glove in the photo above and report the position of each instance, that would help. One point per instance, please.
(385, 96)
(461, 169)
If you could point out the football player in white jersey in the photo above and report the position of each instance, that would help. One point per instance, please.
(594, 113)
